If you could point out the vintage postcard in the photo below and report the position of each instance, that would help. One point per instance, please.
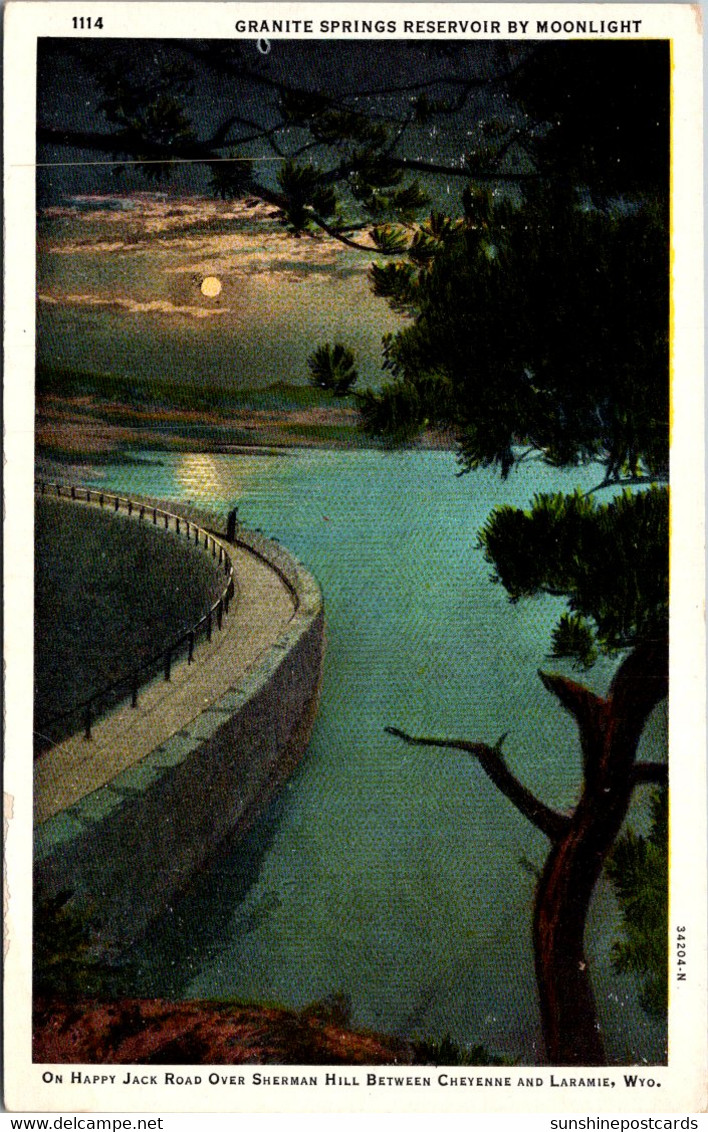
(354, 642)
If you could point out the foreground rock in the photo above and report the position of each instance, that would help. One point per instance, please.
(154, 1032)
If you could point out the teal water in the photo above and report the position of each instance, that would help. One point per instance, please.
(398, 877)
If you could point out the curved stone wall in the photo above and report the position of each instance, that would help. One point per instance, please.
(126, 849)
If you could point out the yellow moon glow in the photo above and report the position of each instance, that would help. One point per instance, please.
(211, 286)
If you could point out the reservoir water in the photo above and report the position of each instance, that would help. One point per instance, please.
(397, 877)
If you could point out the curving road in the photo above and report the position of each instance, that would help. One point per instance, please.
(78, 766)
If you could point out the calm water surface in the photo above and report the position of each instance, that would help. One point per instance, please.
(395, 876)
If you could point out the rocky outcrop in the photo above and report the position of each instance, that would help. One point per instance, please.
(148, 1032)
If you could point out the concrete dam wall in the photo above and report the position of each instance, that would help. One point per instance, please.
(125, 849)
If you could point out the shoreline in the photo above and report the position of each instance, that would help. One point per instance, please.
(81, 429)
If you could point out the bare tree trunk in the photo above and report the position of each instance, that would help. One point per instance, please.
(571, 1028)
(609, 730)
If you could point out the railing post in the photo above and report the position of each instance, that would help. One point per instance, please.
(221, 554)
(154, 515)
(186, 529)
(73, 492)
(168, 663)
(59, 489)
(167, 521)
(190, 654)
(142, 514)
(116, 502)
(209, 625)
(226, 601)
(43, 487)
(88, 496)
(219, 612)
(130, 506)
(213, 549)
(87, 722)
(100, 499)
(177, 525)
(134, 691)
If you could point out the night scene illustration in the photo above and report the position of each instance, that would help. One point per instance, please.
(351, 552)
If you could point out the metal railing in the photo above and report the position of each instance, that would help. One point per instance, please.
(128, 687)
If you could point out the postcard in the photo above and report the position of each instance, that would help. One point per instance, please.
(354, 646)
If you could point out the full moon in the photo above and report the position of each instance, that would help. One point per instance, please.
(211, 286)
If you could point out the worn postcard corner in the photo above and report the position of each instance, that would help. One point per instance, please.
(354, 643)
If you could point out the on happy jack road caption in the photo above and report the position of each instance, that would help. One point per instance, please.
(441, 1078)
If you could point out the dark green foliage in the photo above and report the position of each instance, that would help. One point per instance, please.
(447, 1052)
(601, 113)
(574, 639)
(63, 966)
(329, 124)
(364, 169)
(389, 239)
(639, 871)
(430, 237)
(305, 193)
(406, 203)
(545, 325)
(589, 114)
(594, 115)
(549, 323)
(151, 117)
(397, 283)
(399, 416)
(609, 560)
(333, 368)
(231, 178)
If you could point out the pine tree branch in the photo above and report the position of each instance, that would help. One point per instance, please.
(625, 481)
(658, 773)
(220, 138)
(245, 74)
(338, 234)
(412, 164)
(491, 760)
(578, 700)
(79, 139)
(640, 683)
(589, 711)
(110, 143)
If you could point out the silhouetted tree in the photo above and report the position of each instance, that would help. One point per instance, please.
(610, 562)
(539, 329)
(333, 368)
